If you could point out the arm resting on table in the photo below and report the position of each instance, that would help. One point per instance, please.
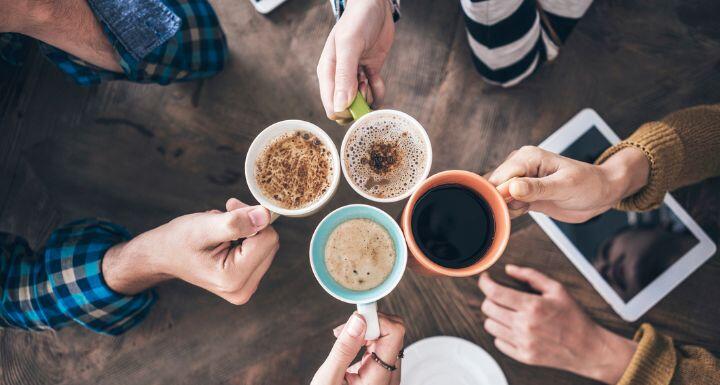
(683, 148)
(64, 283)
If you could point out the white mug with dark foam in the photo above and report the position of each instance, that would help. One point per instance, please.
(386, 154)
(257, 153)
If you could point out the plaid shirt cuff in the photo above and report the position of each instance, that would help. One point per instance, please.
(65, 284)
(197, 50)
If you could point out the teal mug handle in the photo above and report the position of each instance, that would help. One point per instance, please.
(359, 107)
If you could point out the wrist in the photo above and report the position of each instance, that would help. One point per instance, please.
(609, 357)
(25, 17)
(625, 173)
(129, 269)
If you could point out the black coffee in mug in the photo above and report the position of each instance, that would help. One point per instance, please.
(453, 225)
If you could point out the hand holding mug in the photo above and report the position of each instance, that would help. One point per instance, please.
(201, 249)
(566, 189)
(337, 368)
(550, 329)
(358, 44)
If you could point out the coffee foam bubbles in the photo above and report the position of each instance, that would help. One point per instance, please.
(399, 167)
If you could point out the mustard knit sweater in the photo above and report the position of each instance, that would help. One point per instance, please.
(683, 148)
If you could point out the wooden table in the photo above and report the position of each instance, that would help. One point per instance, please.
(143, 154)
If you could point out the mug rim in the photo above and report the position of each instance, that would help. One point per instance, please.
(273, 131)
(502, 221)
(400, 258)
(428, 158)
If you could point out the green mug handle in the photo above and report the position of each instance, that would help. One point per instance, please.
(359, 107)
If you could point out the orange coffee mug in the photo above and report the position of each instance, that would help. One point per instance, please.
(484, 190)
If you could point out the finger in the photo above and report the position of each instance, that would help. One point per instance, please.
(497, 312)
(534, 278)
(337, 330)
(347, 53)
(395, 376)
(234, 204)
(507, 348)
(343, 352)
(232, 225)
(505, 296)
(498, 330)
(518, 163)
(551, 187)
(326, 75)
(377, 84)
(386, 348)
(255, 250)
(523, 162)
(253, 281)
(552, 210)
(518, 208)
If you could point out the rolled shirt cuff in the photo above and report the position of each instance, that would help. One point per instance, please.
(654, 360)
(661, 145)
(73, 261)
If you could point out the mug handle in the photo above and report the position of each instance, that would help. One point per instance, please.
(273, 216)
(369, 312)
(359, 107)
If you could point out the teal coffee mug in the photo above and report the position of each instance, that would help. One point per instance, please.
(366, 300)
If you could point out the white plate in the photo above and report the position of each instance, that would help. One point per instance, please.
(446, 360)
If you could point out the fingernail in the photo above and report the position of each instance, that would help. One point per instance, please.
(258, 216)
(510, 267)
(355, 326)
(340, 101)
(519, 188)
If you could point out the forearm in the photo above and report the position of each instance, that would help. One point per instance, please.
(68, 25)
(626, 173)
(683, 148)
(128, 269)
(610, 356)
(65, 283)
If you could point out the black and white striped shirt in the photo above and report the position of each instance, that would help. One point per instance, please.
(511, 38)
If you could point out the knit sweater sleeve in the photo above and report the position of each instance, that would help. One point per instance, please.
(683, 148)
(658, 362)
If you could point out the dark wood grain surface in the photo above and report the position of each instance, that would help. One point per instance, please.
(143, 154)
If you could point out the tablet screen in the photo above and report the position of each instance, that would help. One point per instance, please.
(628, 249)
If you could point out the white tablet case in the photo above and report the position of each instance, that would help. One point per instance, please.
(662, 285)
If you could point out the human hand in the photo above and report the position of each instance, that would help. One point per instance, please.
(566, 189)
(550, 329)
(336, 369)
(357, 46)
(199, 248)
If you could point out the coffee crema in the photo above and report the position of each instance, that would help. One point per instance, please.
(294, 170)
(385, 157)
(359, 254)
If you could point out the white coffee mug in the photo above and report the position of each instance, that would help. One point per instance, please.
(362, 114)
(266, 137)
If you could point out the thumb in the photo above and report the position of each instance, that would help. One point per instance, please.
(346, 73)
(239, 223)
(535, 189)
(348, 344)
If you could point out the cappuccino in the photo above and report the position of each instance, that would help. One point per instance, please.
(359, 254)
(385, 157)
(294, 170)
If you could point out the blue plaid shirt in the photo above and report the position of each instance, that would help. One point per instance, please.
(158, 41)
(63, 284)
